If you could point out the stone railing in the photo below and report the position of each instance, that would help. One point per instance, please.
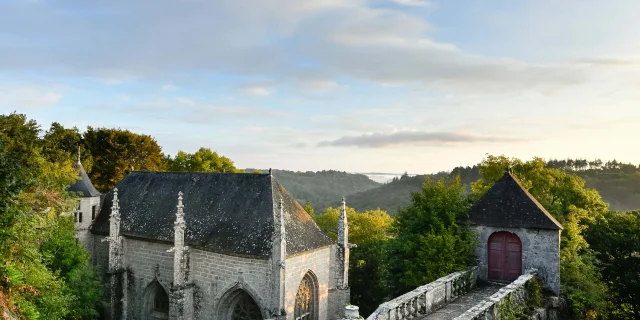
(428, 298)
(511, 295)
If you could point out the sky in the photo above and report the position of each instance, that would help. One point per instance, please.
(351, 85)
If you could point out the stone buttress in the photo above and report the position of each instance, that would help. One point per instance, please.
(182, 300)
(278, 258)
(339, 292)
(116, 271)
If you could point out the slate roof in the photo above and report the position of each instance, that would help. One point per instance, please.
(225, 212)
(83, 185)
(509, 204)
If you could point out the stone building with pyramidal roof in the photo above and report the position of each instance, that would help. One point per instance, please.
(515, 233)
(186, 245)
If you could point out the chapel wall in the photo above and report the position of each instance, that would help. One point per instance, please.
(213, 274)
(317, 261)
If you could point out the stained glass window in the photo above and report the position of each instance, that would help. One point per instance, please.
(245, 308)
(306, 299)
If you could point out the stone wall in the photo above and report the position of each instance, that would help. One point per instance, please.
(540, 250)
(87, 205)
(213, 276)
(317, 262)
(495, 307)
(428, 298)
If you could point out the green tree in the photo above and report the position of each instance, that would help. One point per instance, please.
(429, 242)
(116, 152)
(61, 144)
(203, 160)
(615, 238)
(33, 201)
(369, 230)
(564, 195)
(309, 208)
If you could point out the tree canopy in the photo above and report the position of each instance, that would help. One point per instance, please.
(429, 242)
(203, 160)
(44, 273)
(116, 152)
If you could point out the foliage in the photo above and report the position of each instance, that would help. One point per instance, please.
(429, 242)
(203, 160)
(369, 230)
(61, 144)
(615, 239)
(392, 195)
(323, 189)
(564, 195)
(116, 151)
(36, 279)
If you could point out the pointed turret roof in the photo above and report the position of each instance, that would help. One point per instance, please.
(509, 204)
(83, 185)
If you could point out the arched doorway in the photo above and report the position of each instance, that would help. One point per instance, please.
(505, 256)
(239, 305)
(156, 302)
(307, 298)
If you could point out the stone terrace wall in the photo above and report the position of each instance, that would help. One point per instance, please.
(490, 309)
(428, 298)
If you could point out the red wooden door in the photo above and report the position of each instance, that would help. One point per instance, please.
(505, 256)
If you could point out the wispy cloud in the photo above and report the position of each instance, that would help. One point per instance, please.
(256, 91)
(417, 3)
(19, 96)
(418, 138)
(169, 87)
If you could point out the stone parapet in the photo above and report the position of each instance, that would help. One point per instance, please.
(492, 308)
(428, 298)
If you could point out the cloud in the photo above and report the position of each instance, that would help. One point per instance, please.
(213, 113)
(18, 96)
(417, 3)
(255, 91)
(416, 138)
(291, 41)
(169, 87)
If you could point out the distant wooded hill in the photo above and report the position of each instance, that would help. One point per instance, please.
(618, 184)
(323, 189)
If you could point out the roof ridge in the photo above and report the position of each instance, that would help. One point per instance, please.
(535, 201)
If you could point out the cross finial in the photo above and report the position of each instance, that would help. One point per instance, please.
(270, 171)
(343, 199)
(508, 170)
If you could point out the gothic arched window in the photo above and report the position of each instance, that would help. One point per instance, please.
(245, 308)
(307, 299)
(157, 304)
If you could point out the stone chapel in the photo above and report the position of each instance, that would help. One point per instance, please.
(515, 233)
(185, 245)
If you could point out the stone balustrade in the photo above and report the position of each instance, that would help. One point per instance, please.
(490, 309)
(428, 298)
